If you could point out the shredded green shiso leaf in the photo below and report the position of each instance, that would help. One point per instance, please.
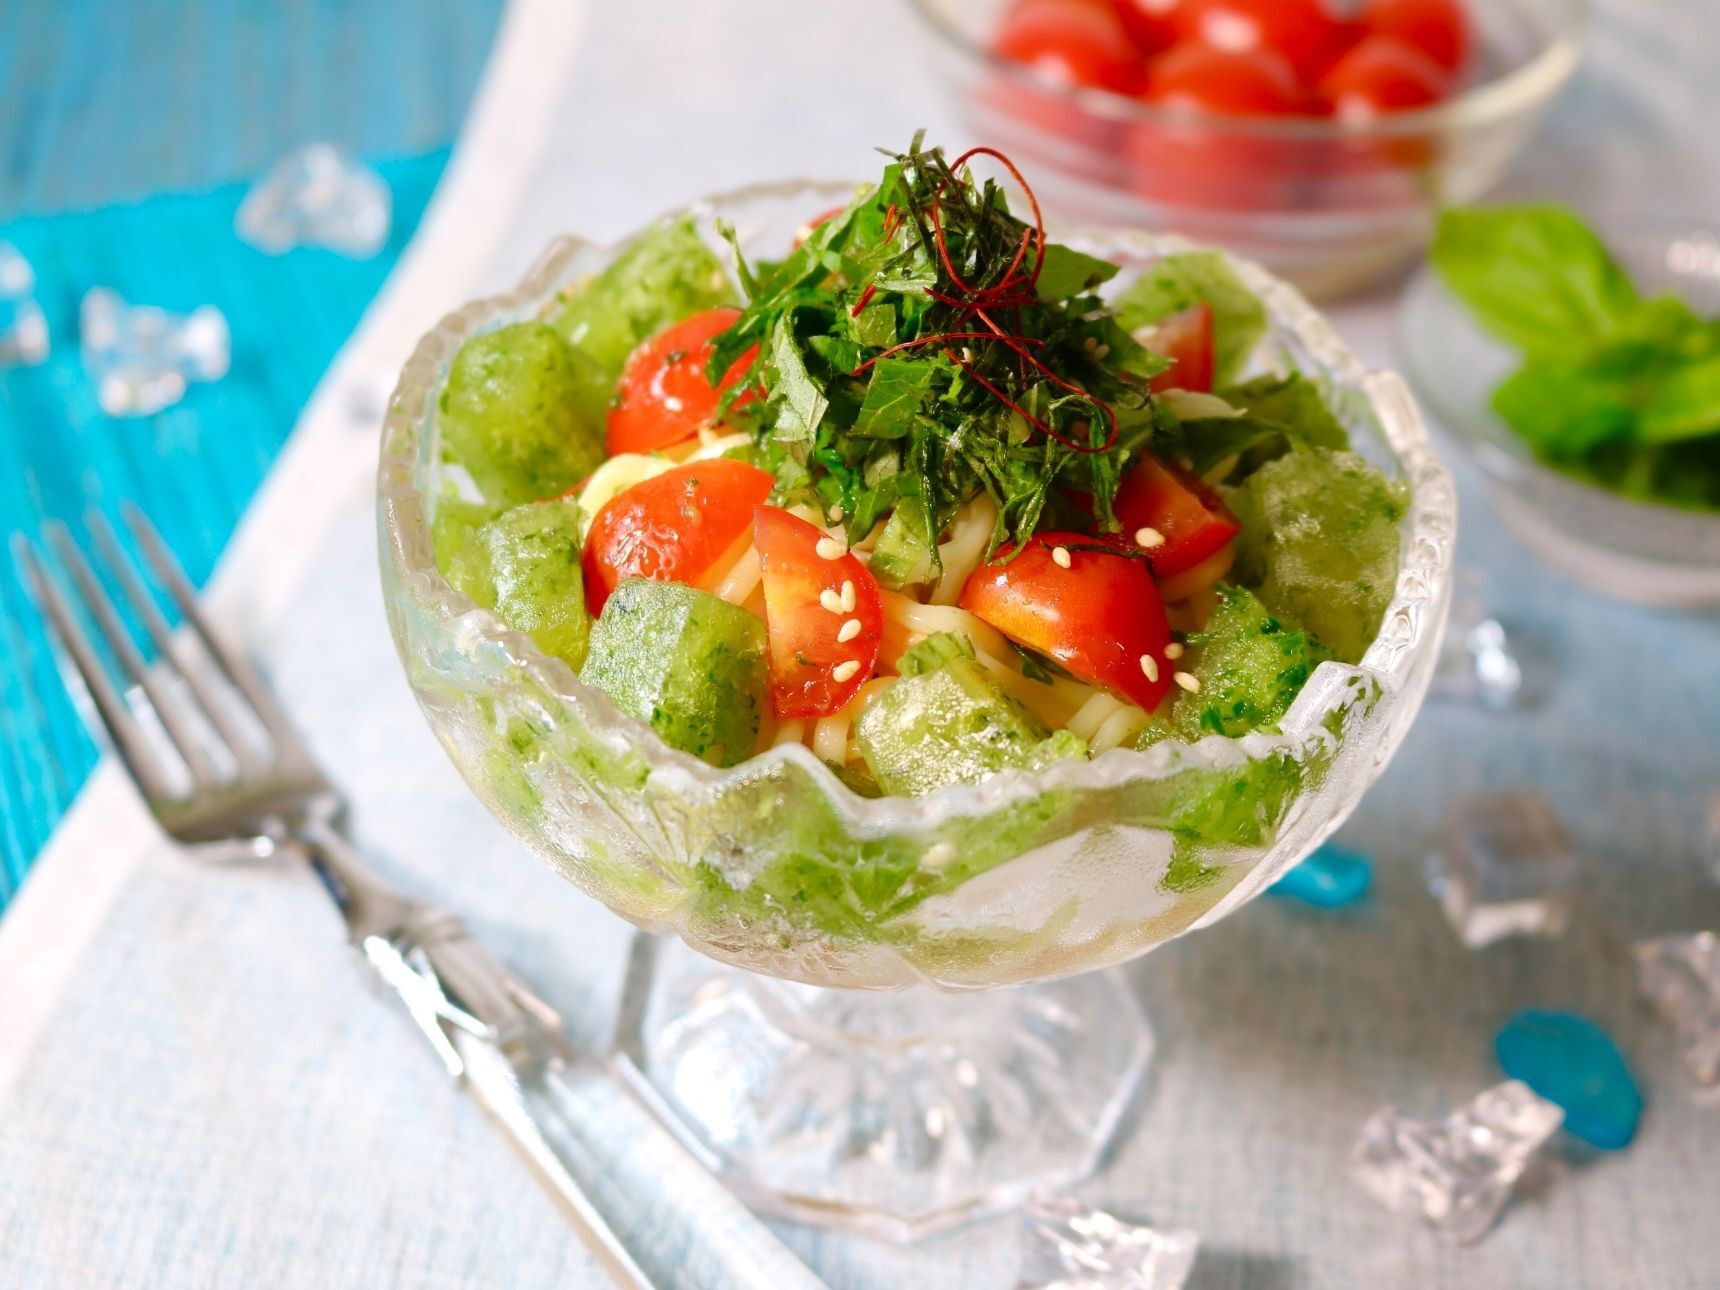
(882, 388)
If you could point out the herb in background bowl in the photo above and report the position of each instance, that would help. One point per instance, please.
(1617, 388)
(1580, 368)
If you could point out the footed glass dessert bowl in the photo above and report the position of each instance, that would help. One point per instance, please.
(897, 1112)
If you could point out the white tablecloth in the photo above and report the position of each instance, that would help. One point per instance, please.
(198, 1089)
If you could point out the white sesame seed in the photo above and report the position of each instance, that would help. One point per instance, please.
(1188, 681)
(831, 601)
(830, 549)
(849, 597)
(1102, 351)
(1148, 538)
(1060, 554)
(850, 630)
(845, 671)
(1174, 650)
(1150, 666)
(835, 513)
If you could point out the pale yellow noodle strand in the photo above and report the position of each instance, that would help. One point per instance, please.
(830, 738)
(1122, 727)
(970, 535)
(743, 577)
(789, 732)
(1093, 714)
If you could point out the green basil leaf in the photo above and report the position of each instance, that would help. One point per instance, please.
(1684, 404)
(1535, 276)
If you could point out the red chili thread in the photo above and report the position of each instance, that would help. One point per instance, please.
(1014, 291)
(865, 299)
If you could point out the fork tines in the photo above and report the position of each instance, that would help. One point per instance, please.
(183, 724)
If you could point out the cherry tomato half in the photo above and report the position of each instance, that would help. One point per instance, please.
(1304, 32)
(1078, 42)
(665, 396)
(1381, 76)
(1099, 617)
(671, 527)
(1190, 519)
(809, 602)
(1438, 28)
(1186, 338)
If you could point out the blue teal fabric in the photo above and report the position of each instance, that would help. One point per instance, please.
(193, 467)
(103, 101)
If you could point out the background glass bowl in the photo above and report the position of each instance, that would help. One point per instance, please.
(1635, 550)
(1330, 205)
(774, 865)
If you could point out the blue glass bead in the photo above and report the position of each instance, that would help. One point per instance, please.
(1572, 1062)
(1329, 879)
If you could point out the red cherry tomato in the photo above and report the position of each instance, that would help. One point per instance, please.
(1200, 163)
(1305, 32)
(673, 526)
(1186, 338)
(1200, 79)
(1190, 519)
(1078, 42)
(1150, 24)
(1438, 28)
(805, 613)
(1099, 617)
(1381, 76)
(665, 396)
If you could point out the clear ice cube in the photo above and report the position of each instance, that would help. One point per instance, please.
(142, 358)
(318, 195)
(23, 326)
(1680, 975)
(1457, 1173)
(1504, 867)
(1487, 663)
(1068, 1246)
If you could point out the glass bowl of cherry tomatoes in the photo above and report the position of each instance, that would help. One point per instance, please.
(1319, 138)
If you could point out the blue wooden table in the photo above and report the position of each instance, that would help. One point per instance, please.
(128, 129)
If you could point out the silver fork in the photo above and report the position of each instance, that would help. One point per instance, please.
(211, 782)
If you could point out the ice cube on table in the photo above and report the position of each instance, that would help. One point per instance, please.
(142, 358)
(1486, 662)
(23, 326)
(1504, 867)
(1573, 1063)
(1680, 975)
(1331, 878)
(1068, 1246)
(317, 195)
(1456, 1173)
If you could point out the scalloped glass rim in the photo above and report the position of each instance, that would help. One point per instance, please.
(1399, 659)
(1520, 90)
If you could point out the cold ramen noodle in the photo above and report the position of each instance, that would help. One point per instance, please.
(925, 495)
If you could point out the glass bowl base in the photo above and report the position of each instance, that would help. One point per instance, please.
(896, 1114)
